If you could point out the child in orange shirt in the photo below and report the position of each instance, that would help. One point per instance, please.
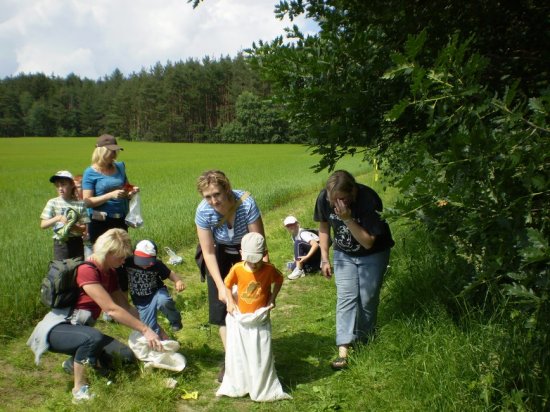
(249, 365)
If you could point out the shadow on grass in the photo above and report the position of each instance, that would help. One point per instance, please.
(302, 358)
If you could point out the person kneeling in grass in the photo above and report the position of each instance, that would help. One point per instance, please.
(70, 330)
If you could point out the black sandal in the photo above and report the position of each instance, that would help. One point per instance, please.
(339, 363)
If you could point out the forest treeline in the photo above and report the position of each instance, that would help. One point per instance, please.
(193, 101)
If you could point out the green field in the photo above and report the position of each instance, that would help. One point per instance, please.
(421, 360)
(166, 174)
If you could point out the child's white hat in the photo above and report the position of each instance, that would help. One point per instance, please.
(290, 220)
(62, 174)
(252, 247)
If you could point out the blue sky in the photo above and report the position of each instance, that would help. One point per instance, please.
(91, 38)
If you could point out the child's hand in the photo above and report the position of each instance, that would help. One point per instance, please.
(271, 305)
(179, 285)
(231, 307)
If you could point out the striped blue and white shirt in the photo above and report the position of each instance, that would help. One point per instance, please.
(207, 218)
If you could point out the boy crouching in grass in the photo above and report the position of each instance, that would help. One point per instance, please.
(249, 365)
(145, 274)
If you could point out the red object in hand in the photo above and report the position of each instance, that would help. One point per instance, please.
(128, 187)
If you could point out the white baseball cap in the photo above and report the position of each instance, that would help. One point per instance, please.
(290, 220)
(253, 247)
(145, 253)
(62, 174)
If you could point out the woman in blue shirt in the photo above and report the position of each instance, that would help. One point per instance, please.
(105, 188)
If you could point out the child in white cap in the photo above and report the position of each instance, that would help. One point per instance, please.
(307, 253)
(249, 365)
(146, 273)
(67, 215)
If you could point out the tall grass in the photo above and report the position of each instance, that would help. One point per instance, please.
(166, 174)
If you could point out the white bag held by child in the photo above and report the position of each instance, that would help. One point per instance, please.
(133, 218)
(249, 365)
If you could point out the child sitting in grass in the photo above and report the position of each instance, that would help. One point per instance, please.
(66, 214)
(249, 366)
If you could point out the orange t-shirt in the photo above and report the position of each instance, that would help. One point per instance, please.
(254, 288)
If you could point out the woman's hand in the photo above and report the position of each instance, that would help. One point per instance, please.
(342, 210)
(222, 295)
(326, 270)
(153, 340)
(119, 194)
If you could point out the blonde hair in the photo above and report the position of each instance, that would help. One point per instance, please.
(216, 177)
(341, 181)
(100, 156)
(115, 242)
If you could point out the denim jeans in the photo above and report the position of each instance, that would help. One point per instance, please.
(162, 301)
(358, 282)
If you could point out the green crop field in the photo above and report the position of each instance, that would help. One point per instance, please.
(166, 174)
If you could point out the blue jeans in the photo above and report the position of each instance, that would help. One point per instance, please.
(162, 301)
(358, 282)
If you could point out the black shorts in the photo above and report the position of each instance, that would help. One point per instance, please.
(227, 256)
(73, 247)
(97, 227)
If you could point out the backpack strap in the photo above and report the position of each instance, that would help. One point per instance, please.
(233, 209)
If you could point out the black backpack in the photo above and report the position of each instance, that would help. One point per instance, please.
(59, 288)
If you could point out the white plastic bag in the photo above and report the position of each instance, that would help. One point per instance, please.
(133, 218)
(174, 258)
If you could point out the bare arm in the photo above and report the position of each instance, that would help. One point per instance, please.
(46, 223)
(206, 240)
(231, 305)
(314, 247)
(274, 293)
(105, 301)
(94, 201)
(178, 283)
(324, 243)
(357, 231)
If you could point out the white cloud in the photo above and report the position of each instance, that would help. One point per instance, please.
(93, 37)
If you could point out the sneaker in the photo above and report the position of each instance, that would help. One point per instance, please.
(82, 395)
(339, 363)
(68, 365)
(176, 327)
(296, 274)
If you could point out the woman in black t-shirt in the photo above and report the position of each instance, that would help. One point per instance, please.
(362, 241)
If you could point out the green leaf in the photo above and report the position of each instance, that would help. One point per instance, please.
(397, 110)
